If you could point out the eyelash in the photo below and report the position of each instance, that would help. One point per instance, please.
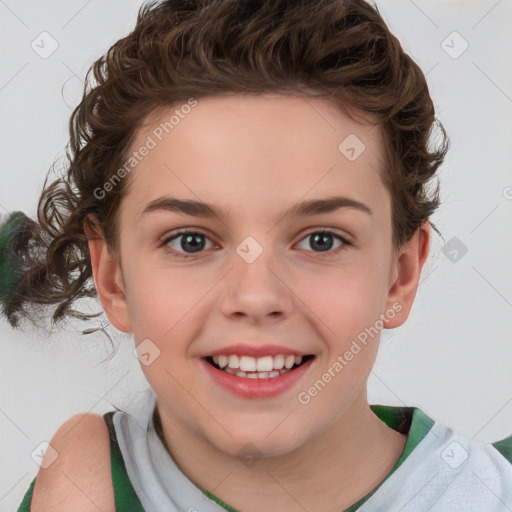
(329, 231)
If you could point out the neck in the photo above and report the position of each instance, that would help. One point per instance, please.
(329, 473)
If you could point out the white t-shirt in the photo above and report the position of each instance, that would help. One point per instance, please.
(438, 471)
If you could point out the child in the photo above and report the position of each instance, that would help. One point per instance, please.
(252, 131)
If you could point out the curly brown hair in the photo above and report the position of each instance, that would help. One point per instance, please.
(182, 49)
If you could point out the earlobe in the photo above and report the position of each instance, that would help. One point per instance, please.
(108, 278)
(410, 260)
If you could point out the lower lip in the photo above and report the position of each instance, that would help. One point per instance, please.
(256, 388)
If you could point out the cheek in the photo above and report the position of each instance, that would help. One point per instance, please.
(160, 296)
(345, 300)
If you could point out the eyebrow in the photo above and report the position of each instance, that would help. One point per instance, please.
(304, 208)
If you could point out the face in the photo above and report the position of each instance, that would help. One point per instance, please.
(250, 277)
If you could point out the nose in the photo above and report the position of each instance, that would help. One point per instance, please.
(257, 290)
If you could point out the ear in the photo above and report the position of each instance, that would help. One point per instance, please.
(108, 277)
(404, 283)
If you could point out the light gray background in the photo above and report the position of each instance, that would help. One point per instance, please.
(453, 356)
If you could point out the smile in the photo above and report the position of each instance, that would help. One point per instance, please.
(266, 367)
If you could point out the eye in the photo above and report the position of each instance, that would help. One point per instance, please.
(191, 243)
(322, 240)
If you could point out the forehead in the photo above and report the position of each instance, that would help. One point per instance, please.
(256, 152)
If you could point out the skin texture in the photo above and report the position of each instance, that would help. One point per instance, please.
(79, 478)
(254, 157)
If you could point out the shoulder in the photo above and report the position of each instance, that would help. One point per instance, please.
(449, 472)
(475, 474)
(75, 473)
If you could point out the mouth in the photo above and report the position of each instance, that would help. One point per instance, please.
(266, 367)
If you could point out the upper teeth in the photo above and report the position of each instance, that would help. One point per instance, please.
(260, 364)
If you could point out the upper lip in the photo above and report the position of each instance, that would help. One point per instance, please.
(242, 349)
